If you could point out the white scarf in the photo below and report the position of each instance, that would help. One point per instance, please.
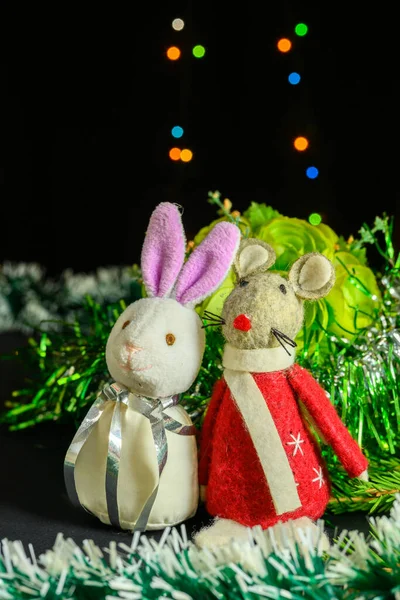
(238, 366)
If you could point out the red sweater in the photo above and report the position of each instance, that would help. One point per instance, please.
(229, 465)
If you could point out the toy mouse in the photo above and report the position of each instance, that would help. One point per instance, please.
(133, 462)
(258, 459)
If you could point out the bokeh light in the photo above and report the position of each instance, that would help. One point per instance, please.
(312, 172)
(178, 24)
(301, 29)
(199, 51)
(284, 45)
(177, 132)
(294, 78)
(301, 143)
(173, 53)
(315, 219)
(175, 153)
(186, 155)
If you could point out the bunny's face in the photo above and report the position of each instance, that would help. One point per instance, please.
(155, 348)
(266, 310)
(259, 305)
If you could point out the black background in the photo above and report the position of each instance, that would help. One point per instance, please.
(88, 102)
(90, 99)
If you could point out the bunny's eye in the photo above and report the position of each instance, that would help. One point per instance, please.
(125, 324)
(243, 283)
(282, 288)
(170, 339)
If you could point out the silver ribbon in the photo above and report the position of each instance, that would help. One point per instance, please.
(153, 410)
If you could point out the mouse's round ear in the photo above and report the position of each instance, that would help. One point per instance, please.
(312, 276)
(254, 256)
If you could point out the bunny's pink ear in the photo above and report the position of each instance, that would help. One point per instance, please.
(163, 250)
(208, 265)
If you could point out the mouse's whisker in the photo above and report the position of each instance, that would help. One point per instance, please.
(284, 337)
(210, 316)
(221, 322)
(280, 340)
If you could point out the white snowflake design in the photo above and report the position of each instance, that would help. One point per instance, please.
(296, 443)
(320, 476)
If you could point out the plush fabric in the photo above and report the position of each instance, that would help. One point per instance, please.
(177, 497)
(327, 420)
(266, 306)
(208, 264)
(312, 276)
(236, 485)
(242, 322)
(207, 441)
(302, 532)
(261, 360)
(272, 301)
(254, 256)
(251, 258)
(259, 460)
(139, 356)
(220, 533)
(163, 250)
(266, 440)
(258, 420)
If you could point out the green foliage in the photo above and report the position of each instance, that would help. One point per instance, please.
(259, 215)
(67, 369)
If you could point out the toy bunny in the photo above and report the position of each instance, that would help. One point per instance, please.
(133, 461)
(258, 459)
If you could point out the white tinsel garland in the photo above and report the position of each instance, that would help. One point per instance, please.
(30, 299)
(355, 568)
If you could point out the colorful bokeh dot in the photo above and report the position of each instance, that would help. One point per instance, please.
(301, 143)
(175, 153)
(301, 29)
(315, 219)
(294, 78)
(177, 132)
(284, 45)
(186, 155)
(312, 172)
(173, 53)
(178, 24)
(199, 51)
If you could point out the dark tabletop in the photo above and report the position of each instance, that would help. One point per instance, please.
(34, 506)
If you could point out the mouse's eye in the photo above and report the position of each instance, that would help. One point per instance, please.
(282, 288)
(243, 283)
(170, 339)
(125, 324)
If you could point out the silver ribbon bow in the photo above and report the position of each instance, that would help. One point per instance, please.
(152, 409)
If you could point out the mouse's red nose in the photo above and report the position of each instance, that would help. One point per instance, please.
(242, 322)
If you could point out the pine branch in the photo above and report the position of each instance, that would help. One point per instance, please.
(374, 496)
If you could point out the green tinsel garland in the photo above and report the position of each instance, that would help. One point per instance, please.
(67, 369)
(355, 568)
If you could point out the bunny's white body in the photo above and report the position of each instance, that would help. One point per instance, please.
(177, 496)
(139, 357)
(154, 350)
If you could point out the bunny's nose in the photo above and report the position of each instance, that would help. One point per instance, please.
(242, 322)
(131, 348)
